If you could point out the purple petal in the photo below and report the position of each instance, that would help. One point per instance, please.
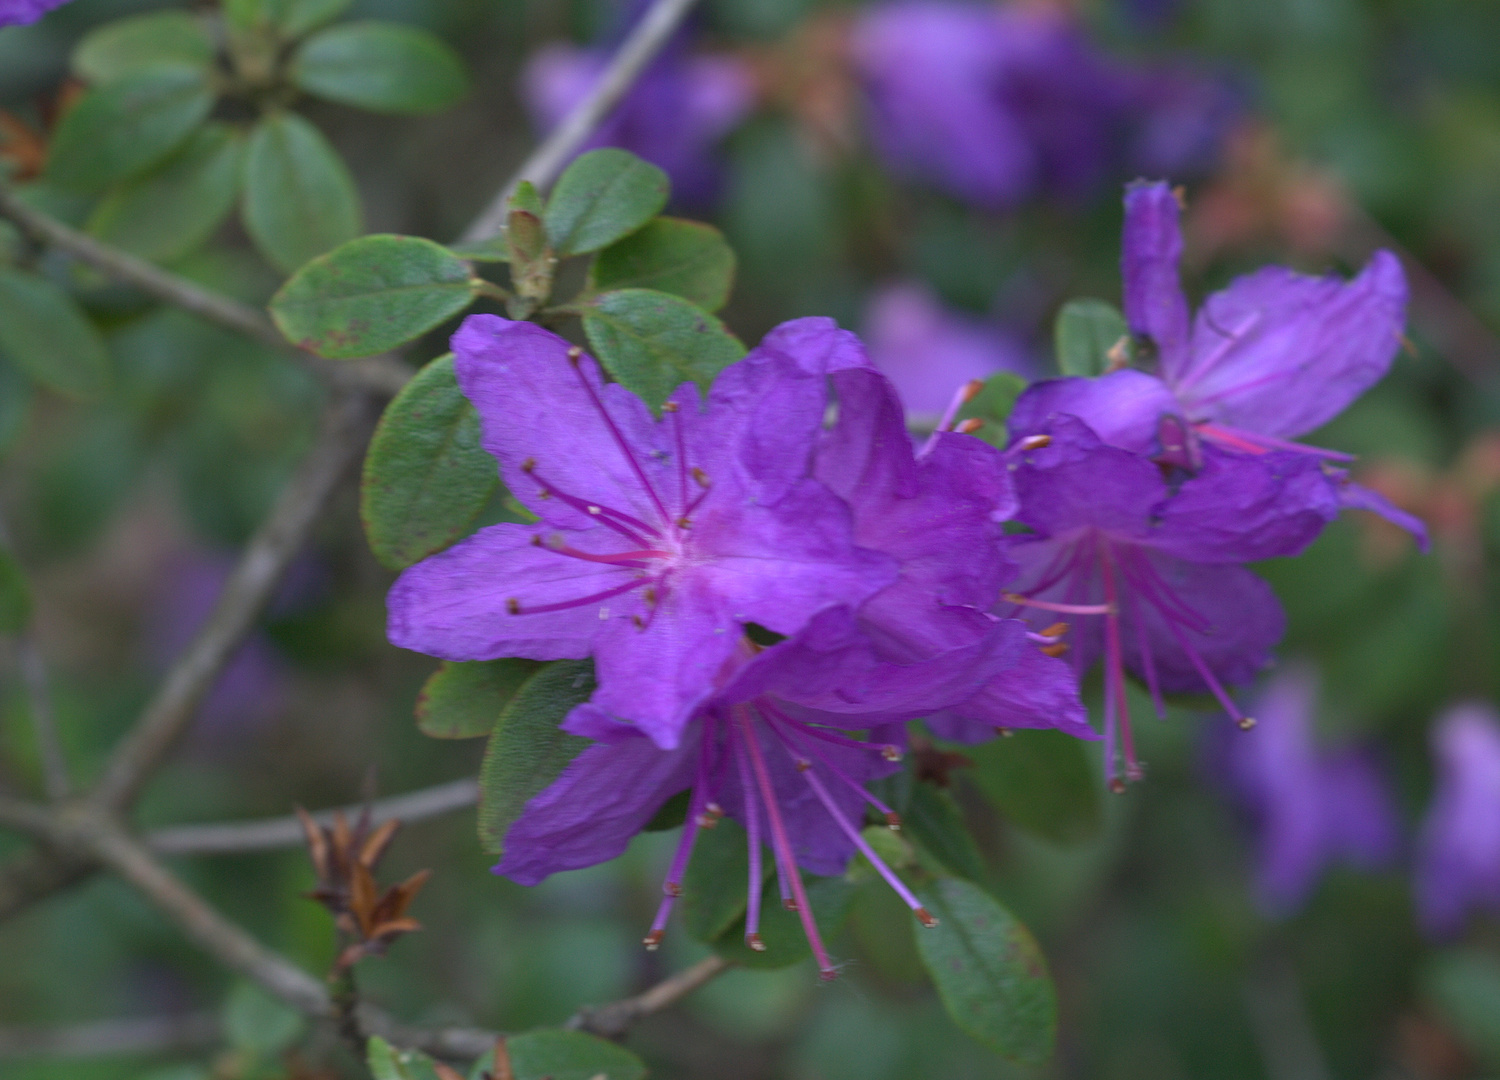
(1354, 496)
(1155, 305)
(1038, 691)
(1458, 855)
(1076, 482)
(1124, 408)
(21, 12)
(1279, 353)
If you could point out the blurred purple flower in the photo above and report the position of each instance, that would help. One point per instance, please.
(673, 116)
(1458, 853)
(21, 12)
(1310, 807)
(930, 352)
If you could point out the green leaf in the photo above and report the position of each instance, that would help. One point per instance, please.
(175, 208)
(604, 195)
(781, 930)
(372, 294)
(1085, 331)
(652, 342)
(1041, 781)
(384, 67)
(553, 1054)
(992, 406)
(495, 249)
(123, 128)
(258, 1024)
(935, 822)
(297, 18)
(43, 332)
(426, 478)
(685, 258)
(15, 404)
(388, 1063)
(1464, 985)
(464, 700)
(989, 972)
(141, 43)
(15, 595)
(528, 750)
(300, 200)
(714, 886)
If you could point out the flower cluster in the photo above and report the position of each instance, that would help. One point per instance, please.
(769, 598)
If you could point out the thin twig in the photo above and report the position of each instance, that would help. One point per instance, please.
(27, 817)
(542, 166)
(43, 719)
(37, 874)
(147, 1035)
(382, 374)
(613, 1020)
(247, 591)
(283, 832)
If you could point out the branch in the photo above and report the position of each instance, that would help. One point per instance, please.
(614, 1020)
(36, 875)
(283, 832)
(384, 374)
(638, 49)
(256, 575)
(43, 719)
(153, 1035)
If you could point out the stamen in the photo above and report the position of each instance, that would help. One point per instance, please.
(682, 469)
(772, 715)
(1245, 722)
(757, 874)
(574, 356)
(624, 524)
(1031, 442)
(1061, 609)
(888, 751)
(1128, 559)
(1117, 709)
(969, 426)
(1254, 442)
(513, 605)
(672, 887)
(965, 394)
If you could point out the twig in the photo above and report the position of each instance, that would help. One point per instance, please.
(36, 875)
(282, 832)
(153, 1035)
(383, 374)
(614, 1020)
(27, 817)
(261, 565)
(544, 163)
(43, 720)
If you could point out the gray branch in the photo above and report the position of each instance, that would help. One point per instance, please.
(147, 1035)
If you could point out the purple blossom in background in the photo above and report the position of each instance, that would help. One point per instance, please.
(1310, 807)
(659, 539)
(21, 12)
(930, 352)
(1458, 853)
(674, 115)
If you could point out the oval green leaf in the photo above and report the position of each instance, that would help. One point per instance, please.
(15, 595)
(125, 127)
(426, 478)
(653, 342)
(300, 200)
(388, 1063)
(935, 822)
(604, 195)
(464, 700)
(43, 332)
(989, 972)
(298, 18)
(370, 295)
(714, 893)
(528, 749)
(554, 1054)
(15, 403)
(1041, 781)
(384, 67)
(1085, 332)
(781, 930)
(176, 207)
(143, 42)
(672, 255)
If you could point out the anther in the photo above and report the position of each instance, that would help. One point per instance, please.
(1056, 649)
(513, 606)
(755, 943)
(1117, 786)
(789, 903)
(1246, 723)
(671, 888)
(536, 539)
(969, 426)
(893, 820)
(528, 465)
(670, 406)
(700, 476)
(648, 594)
(1034, 442)
(971, 390)
(1057, 629)
(574, 354)
(635, 619)
(595, 510)
(890, 753)
(652, 941)
(683, 523)
(710, 816)
(1005, 732)
(827, 974)
(803, 764)
(925, 917)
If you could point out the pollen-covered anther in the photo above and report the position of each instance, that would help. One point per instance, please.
(528, 466)
(635, 620)
(789, 903)
(1005, 732)
(574, 355)
(890, 752)
(672, 888)
(1056, 649)
(700, 476)
(971, 390)
(684, 523)
(1246, 723)
(595, 510)
(648, 594)
(1056, 630)
(670, 406)
(969, 426)
(893, 821)
(1117, 786)
(536, 539)
(755, 943)
(925, 917)
(652, 941)
(710, 816)
(512, 605)
(1034, 442)
(803, 764)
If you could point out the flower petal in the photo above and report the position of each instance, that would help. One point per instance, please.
(1354, 496)
(1124, 408)
(1155, 306)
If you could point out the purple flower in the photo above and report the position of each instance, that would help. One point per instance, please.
(21, 12)
(1310, 806)
(659, 540)
(1458, 855)
(930, 352)
(673, 116)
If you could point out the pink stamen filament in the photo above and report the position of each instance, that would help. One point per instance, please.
(622, 523)
(1062, 609)
(672, 887)
(1208, 677)
(892, 818)
(1255, 443)
(1128, 559)
(965, 394)
(517, 608)
(1116, 710)
(609, 422)
(618, 558)
(757, 874)
(682, 466)
(783, 847)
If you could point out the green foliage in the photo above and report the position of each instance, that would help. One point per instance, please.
(685, 258)
(989, 972)
(781, 930)
(426, 478)
(126, 126)
(43, 333)
(15, 595)
(992, 406)
(1464, 985)
(554, 1054)
(652, 342)
(1085, 332)
(494, 250)
(603, 196)
(714, 886)
(297, 18)
(130, 46)
(528, 750)
(300, 200)
(257, 1023)
(1041, 781)
(464, 700)
(388, 1063)
(934, 821)
(384, 67)
(175, 208)
(15, 404)
(372, 294)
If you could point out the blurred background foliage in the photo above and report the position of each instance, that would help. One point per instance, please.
(1365, 123)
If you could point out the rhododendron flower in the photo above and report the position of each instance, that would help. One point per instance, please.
(659, 539)
(1458, 854)
(1310, 806)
